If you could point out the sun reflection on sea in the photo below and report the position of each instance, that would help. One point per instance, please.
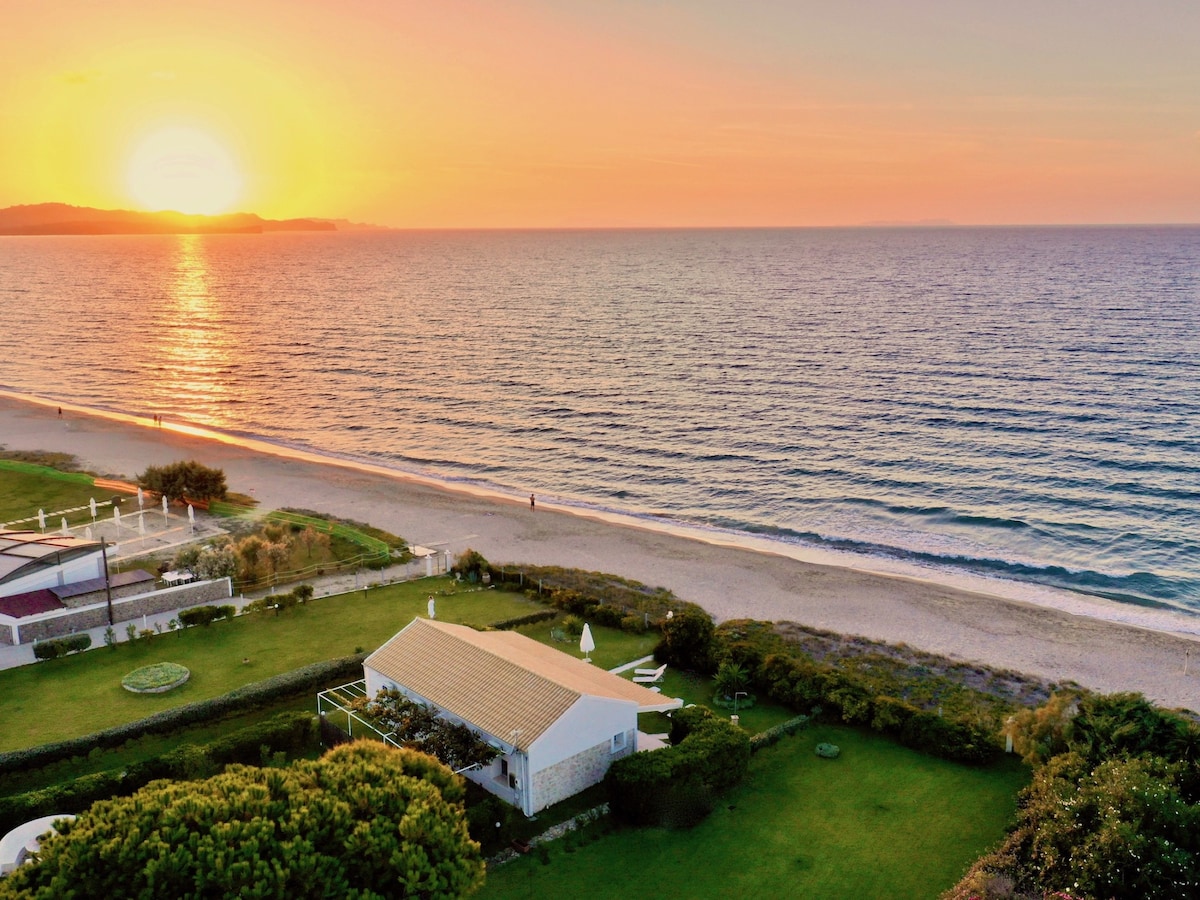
(197, 354)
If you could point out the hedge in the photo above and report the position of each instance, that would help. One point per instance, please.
(248, 697)
(287, 731)
(674, 785)
(530, 619)
(774, 734)
(204, 615)
(802, 684)
(56, 647)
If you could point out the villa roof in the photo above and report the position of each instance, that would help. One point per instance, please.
(25, 551)
(502, 682)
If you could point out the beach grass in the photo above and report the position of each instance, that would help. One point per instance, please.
(879, 821)
(79, 694)
(22, 494)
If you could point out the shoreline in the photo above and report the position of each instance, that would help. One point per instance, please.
(1101, 644)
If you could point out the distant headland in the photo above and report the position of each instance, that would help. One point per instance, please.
(61, 218)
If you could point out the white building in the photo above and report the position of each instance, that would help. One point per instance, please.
(559, 722)
(31, 561)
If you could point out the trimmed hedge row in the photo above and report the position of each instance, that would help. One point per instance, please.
(205, 615)
(56, 647)
(774, 734)
(248, 697)
(708, 754)
(530, 619)
(251, 745)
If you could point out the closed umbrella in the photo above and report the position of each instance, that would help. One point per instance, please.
(586, 644)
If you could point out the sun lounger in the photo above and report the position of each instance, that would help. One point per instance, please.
(649, 676)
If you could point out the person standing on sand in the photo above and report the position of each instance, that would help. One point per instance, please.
(532, 503)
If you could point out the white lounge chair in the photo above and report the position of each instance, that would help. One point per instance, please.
(649, 676)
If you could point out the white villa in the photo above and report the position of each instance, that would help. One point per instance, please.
(559, 722)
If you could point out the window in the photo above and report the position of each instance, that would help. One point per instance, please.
(618, 742)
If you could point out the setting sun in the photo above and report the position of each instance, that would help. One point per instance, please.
(183, 169)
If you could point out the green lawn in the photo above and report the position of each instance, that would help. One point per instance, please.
(23, 494)
(613, 646)
(79, 694)
(881, 821)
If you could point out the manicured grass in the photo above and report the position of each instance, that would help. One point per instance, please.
(880, 821)
(79, 694)
(23, 494)
(613, 646)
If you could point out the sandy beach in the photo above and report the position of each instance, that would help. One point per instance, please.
(731, 579)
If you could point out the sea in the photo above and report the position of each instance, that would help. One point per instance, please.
(1017, 407)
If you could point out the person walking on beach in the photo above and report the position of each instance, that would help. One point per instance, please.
(60, 412)
(532, 503)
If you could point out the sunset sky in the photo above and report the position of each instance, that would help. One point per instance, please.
(551, 113)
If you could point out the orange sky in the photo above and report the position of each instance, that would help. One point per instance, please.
(614, 112)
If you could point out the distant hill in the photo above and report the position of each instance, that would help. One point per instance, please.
(60, 218)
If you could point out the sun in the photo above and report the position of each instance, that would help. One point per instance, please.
(183, 169)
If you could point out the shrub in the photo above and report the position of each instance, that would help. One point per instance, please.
(205, 615)
(530, 619)
(828, 751)
(672, 785)
(775, 734)
(687, 641)
(633, 624)
(56, 647)
(572, 625)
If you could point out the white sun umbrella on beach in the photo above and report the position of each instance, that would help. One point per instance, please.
(42, 519)
(586, 644)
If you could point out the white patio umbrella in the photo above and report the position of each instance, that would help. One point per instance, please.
(586, 644)
(164, 507)
(66, 531)
(92, 507)
(117, 519)
(42, 519)
(140, 498)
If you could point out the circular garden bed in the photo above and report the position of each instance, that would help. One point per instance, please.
(156, 679)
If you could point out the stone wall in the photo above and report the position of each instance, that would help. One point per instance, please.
(574, 774)
(119, 591)
(56, 624)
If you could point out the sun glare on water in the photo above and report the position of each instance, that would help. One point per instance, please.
(183, 169)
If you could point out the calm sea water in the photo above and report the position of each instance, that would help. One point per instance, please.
(1018, 403)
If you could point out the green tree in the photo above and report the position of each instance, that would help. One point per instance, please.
(364, 821)
(185, 479)
(688, 640)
